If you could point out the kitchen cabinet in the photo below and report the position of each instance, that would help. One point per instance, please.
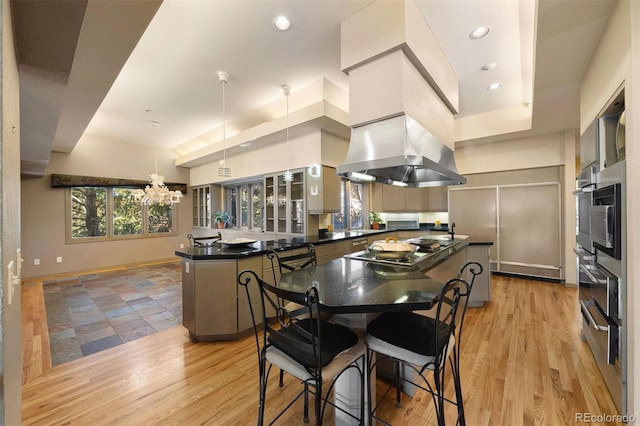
(331, 251)
(285, 203)
(436, 199)
(201, 206)
(214, 306)
(523, 219)
(322, 190)
(390, 198)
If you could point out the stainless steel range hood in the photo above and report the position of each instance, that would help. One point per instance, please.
(400, 151)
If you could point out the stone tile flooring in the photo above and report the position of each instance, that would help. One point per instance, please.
(90, 313)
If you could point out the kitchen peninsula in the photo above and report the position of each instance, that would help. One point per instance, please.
(214, 308)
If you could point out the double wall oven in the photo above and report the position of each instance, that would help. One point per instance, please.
(601, 251)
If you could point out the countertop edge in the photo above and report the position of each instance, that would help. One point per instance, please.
(336, 237)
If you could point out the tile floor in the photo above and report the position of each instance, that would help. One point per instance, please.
(90, 313)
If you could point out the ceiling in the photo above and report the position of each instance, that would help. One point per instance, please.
(122, 65)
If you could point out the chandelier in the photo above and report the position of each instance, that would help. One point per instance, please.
(157, 193)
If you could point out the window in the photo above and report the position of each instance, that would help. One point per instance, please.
(351, 214)
(104, 213)
(244, 203)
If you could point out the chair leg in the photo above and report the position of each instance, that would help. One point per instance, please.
(263, 392)
(455, 366)
(305, 415)
(398, 401)
(281, 382)
(318, 400)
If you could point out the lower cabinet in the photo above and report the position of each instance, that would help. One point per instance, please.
(481, 291)
(522, 219)
(214, 306)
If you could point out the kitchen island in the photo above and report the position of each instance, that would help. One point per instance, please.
(214, 308)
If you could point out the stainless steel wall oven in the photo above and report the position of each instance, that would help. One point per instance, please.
(602, 279)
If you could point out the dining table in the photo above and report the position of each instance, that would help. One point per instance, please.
(355, 292)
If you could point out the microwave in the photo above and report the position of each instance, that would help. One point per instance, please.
(605, 219)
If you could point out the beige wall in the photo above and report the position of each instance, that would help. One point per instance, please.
(302, 151)
(616, 61)
(43, 210)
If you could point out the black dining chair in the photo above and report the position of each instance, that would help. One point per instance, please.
(314, 351)
(286, 262)
(420, 343)
(474, 269)
(203, 241)
(291, 261)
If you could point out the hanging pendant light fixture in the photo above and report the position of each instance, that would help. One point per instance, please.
(223, 170)
(288, 176)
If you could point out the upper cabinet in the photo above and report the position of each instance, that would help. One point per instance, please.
(201, 206)
(284, 203)
(323, 190)
(389, 198)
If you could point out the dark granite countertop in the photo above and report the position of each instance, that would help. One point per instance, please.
(351, 286)
(220, 251)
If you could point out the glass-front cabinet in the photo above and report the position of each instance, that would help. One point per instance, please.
(284, 203)
(202, 206)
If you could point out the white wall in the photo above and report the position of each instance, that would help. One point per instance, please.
(43, 210)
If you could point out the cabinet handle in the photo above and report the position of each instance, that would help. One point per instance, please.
(589, 317)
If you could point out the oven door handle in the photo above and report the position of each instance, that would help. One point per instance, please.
(592, 322)
(591, 276)
(587, 189)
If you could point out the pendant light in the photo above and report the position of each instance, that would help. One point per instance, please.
(288, 176)
(223, 170)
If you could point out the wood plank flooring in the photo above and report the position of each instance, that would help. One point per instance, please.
(523, 363)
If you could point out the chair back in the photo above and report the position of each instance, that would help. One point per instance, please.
(446, 319)
(284, 262)
(203, 241)
(474, 269)
(299, 339)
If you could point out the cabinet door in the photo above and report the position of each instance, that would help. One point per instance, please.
(323, 190)
(413, 199)
(474, 211)
(529, 236)
(393, 198)
(270, 204)
(282, 198)
(436, 199)
(296, 213)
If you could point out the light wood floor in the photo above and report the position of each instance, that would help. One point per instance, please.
(523, 363)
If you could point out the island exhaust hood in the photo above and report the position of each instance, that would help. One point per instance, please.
(399, 151)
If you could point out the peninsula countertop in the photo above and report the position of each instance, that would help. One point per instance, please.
(222, 251)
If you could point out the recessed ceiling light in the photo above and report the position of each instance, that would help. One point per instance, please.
(282, 23)
(489, 66)
(494, 86)
(155, 124)
(479, 33)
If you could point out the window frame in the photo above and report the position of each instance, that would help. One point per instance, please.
(345, 201)
(110, 236)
